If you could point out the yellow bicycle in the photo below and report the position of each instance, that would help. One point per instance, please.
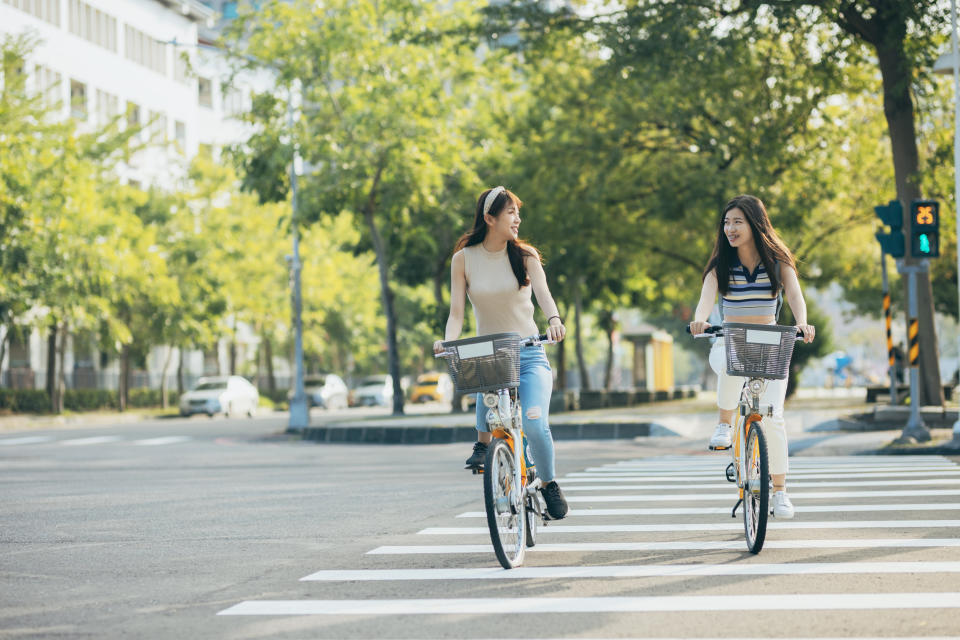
(757, 352)
(489, 365)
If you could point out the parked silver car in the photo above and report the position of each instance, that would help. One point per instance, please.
(230, 395)
(325, 390)
(374, 391)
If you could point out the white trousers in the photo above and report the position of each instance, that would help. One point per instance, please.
(728, 398)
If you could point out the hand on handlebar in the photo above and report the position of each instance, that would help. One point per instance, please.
(556, 331)
(438, 347)
(698, 327)
(808, 331)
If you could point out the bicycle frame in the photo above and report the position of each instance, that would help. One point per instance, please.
(509, 427)
(748, 413)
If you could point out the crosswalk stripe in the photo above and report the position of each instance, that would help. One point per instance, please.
(80, 442)
(634, 571)
(920, 459)
(162, 441)
(681, 545)
(718, 473)
(755, 602)
(727, 485)
(703, 526)
(809, 495)
(25, 440)
(718, 468)
(690, 511)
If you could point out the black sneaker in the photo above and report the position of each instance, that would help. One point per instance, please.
(556, 504)
(479, 456)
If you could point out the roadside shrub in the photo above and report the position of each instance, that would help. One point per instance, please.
(89, 399)
(25, 401)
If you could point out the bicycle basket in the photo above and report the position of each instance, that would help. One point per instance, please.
(758, 351)
(485, 363)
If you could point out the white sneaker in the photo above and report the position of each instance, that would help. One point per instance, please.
(782, 507)
(722, 437)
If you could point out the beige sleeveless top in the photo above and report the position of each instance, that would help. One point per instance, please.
(498, 305)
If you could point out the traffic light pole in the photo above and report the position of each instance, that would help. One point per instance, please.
(891, 369)
(916, 430)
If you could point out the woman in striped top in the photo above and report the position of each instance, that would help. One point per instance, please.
(749, 267)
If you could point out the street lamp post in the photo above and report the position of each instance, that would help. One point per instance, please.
(945, 65)
(299, 412)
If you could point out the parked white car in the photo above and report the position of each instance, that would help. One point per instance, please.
(374, 391)
(230, 395)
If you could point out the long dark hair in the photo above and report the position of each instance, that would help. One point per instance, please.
(769, 245)
(516, 251)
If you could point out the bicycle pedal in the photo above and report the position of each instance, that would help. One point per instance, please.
(713, 448)
(476, 470)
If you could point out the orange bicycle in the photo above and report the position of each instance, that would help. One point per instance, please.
(490, 365)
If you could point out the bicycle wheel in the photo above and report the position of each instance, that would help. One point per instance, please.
(532, 510)
(756, 489)
(506, 515)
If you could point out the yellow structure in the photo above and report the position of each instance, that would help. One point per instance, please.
(652, 358)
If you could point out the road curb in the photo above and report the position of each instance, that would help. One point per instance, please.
(447, 435)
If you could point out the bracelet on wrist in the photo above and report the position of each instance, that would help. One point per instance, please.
(552, 317)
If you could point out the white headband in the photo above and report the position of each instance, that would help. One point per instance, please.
(488, 201)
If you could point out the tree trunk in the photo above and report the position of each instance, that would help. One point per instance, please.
(180, 371)
(124, 377)
(163, 379)
(386, 294)
(608, 374)
(898, 109)
(61, 385)
(51, 362)
(268, 355)
(578, 310)
(3, 346)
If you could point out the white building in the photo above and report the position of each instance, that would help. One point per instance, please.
(144, 59)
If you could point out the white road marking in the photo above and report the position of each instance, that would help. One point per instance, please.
(806, 485)
(719, 467)
(526, 606)
(692, 511)
(795, 495)
(682, 545)
(150, 442)
(704, 526)
(25, 440)
(718, 472)
(80, 442)
(635, 571)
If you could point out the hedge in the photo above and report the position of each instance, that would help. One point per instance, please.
(37, 400)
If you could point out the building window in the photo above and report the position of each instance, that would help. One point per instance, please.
(233, 102)
(92, 25)
(181, 67)
(106, 107)
(158, 127)
(19, 348)
(205, 92)
(47, 86)
(144, 50)
(133, 115)
(180, 133)
(46, 10)
(78, 100)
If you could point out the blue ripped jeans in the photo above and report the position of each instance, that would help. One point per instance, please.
(536, 386)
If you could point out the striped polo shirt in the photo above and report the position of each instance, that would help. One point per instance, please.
(749, 294)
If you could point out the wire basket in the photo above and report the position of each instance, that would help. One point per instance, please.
(758, 350)
(485, 363)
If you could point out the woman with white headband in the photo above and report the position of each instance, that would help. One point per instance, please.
(498, 273)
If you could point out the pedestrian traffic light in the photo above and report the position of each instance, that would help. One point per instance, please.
(925, 229)
(892, 216)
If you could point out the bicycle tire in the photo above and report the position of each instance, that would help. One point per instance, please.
(506, 521)
(756, 489)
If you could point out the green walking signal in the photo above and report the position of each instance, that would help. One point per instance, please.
(925, 229)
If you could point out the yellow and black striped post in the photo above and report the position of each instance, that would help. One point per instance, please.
(886, 318)
(913, 339)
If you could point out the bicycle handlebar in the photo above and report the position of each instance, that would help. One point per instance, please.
(543, 338)
(717, 330)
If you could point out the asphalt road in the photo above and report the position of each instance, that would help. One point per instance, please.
(169, 528)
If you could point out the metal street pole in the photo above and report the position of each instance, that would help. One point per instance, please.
(916, 430)
(299, 413)
(891, 368)
(956, 166)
